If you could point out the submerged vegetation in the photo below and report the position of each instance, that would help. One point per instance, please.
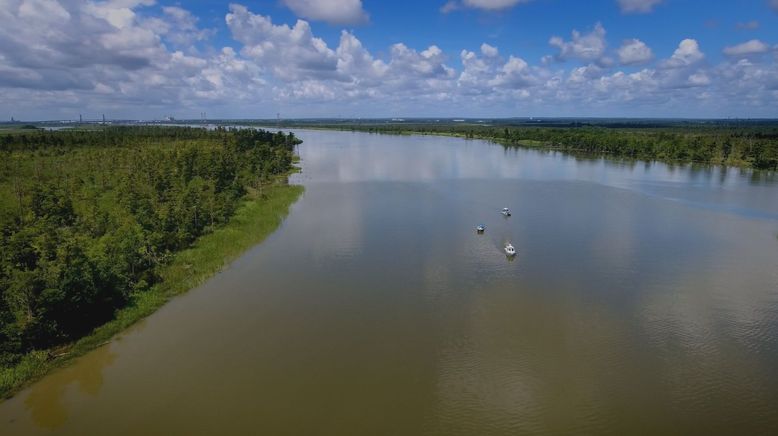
(99, 228)
(751, 144)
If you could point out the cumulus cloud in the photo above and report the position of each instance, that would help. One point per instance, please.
(486, 5)
(78, 54)
(137, 58)
(427, 63)
(478, 71)
(356, 62)
(292, 53)
(492, 4)
(178, 26)
(487, 78)
(748, 48)
(747, 82)
(639, 6)
(516, 73)
(120, 13)
(634, 52)
(47, 38)
(330, 11)
(698, 79)
(584, 46)
(688, 53)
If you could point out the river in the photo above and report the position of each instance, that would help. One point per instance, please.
(643, 300)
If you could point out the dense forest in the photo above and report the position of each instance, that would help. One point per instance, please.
(748, 145)
(89, 217)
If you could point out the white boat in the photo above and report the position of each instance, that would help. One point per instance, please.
(506, 211)
(509, 250)
(480, 228)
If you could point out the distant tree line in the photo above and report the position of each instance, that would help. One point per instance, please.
(749, 147)
(87, 218)
(753, 145)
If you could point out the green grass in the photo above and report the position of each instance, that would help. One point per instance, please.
(254, 220)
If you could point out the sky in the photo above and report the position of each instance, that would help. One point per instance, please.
(147, 59)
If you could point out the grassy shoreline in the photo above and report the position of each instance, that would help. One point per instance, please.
(256, 218)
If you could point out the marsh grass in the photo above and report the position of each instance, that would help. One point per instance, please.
(256, 218)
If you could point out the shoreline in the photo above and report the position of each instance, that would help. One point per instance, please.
(529, 144)
(253, 221)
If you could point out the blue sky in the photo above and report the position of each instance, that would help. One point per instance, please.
(365, 58)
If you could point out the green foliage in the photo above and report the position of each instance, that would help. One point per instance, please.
(253, 220)
(751, 145)
(90, 220)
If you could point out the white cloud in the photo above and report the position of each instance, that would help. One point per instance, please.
(489, 51)
(588, 47)
(585, 74)
(183, 29)
(516, 73)
(178, 27)
(117, 12)
(477, 71)
(634, 52)
(746, 81)
(450, 6)
(490, 76)
(699, 79)
(309, 67)
(748, 48)
(639, 6)
(331, 11)
(356, 62)
(292, 53)
(688, 53)
(486, 5)
(46, 10)
(105, 56)
(47, 36)
(308, 90)
(773, 4)
(413, 70)
(492, 4)
(59, 57)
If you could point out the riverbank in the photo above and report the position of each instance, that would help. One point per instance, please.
(259, 215)
(752, 147)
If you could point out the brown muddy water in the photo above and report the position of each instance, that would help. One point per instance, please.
(644, 300)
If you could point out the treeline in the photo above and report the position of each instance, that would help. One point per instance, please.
(101, 137)
(754, 146)
(748, 147)
(89, 218)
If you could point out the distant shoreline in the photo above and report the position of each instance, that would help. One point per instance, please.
(750, 143)
(753, 147)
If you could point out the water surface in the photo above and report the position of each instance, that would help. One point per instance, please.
(644, 300)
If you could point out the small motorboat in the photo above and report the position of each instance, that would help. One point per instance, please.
(480, 228)
(509, 250)
(506, 211)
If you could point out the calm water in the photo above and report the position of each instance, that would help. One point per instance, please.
(644, 300)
